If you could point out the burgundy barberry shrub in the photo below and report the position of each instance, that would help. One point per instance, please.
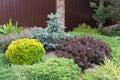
(85, 51)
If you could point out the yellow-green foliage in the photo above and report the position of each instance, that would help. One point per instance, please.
(25, 51)
(108, 71)
(84, 28)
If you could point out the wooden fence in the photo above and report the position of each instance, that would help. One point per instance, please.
(26, 12)
(77, 12)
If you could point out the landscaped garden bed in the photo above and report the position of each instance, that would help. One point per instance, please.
(52, 54)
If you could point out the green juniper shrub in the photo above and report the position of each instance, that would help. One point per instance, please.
(54, 69)
(7, 74)
(85, 29)
(50, 35)
(85, 51)
(20, 70)
(108, 71)
(4, 62)
(25, 51)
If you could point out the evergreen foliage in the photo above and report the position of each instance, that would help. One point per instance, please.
(104, 11)
(4, 62)
(108, 71)
(25, 51)
(54, 69)
(50, 35)
(7, 74)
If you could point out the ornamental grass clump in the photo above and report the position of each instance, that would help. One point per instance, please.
(86, 51)
(25, 51)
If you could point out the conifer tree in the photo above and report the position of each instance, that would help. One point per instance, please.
(104, 10)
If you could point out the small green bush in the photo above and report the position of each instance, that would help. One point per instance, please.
(85, 29)
(109, 71)
(25, 51)
(7, 74)
(54, 69)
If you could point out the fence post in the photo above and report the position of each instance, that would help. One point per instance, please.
(61, 7)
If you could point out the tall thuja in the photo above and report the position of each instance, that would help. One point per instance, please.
(50, 35)
(104, 10)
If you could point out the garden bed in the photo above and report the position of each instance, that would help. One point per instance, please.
(52, 54)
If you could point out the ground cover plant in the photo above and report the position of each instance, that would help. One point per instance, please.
(7, 74)
(4, 62)
(54, 69)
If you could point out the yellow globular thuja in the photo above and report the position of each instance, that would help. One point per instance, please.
(25, 51)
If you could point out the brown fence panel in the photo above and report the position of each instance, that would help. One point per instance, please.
(26, 12)
(77, 12)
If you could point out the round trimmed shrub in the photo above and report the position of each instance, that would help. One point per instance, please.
(85, 51)
(54, 69)
(25, 51)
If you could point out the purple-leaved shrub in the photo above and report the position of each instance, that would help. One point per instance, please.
(85, 51)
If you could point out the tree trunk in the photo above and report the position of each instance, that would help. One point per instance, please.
(100, 24)
(101, 3)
